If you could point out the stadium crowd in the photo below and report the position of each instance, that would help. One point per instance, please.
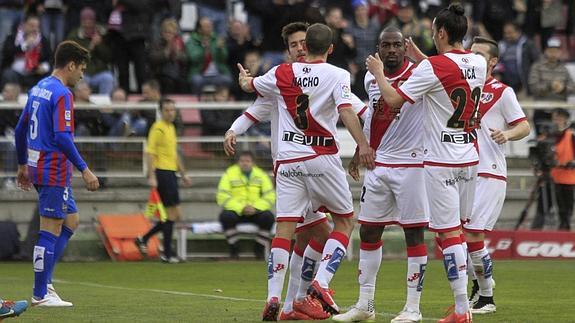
(147, 34)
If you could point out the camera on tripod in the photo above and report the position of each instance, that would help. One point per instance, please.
(542, 153)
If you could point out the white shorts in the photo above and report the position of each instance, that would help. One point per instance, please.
(450, 194)
(320, 181)
(489, 198)
(311, 219)
(393, 195)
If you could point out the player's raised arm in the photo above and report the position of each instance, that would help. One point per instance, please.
(388, 93)
(245, 79)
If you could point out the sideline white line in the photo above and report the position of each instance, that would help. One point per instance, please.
(171, 292)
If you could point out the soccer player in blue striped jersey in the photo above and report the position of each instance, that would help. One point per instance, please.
(46, 153)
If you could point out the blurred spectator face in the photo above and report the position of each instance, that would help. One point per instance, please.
(119, 95)
(361, 13)
(510, 33)
(31, 26)
(392, 49)
(169, 112)
(239, 30)
(334, 18)
(82, 92)
(169, 30)
(553, 54)
(222, 94)
(88, 19)
(205, 26)
(405, 14)
(559, 120)
(149, 93)
(253, 62)
(246, 163)
(10, 92)
(296, 46)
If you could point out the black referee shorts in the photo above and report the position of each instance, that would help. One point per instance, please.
(168, 187)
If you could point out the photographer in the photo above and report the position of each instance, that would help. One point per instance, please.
(563, 173)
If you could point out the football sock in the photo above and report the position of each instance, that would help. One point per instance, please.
(416, 265)
(332, 255)
(277, 266)
(167, 230)
(455, 264)
(43, 262)
(157, 228)
(59, 248)
(311, 260)
(370, 255)
(483, 267)
(294, 278)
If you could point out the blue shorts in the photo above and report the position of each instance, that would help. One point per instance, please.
(55, 202)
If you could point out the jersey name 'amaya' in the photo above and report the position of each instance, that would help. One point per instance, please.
(498, 109)
(450, 85)
(308, 97)
(395, 135)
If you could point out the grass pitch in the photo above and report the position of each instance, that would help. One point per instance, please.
(526, 291)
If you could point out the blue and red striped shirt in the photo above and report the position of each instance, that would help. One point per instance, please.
(48, 111)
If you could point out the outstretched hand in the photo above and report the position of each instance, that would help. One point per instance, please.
(374, 64)
(244, 79)
(230, 143)
(413, 52)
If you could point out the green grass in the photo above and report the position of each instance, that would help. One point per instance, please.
(527, 291)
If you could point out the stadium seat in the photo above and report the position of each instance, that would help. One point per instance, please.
(118, 232)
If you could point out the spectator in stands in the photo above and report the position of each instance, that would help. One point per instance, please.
(217, 122)
(253, 62)
(89, 122)
(246, 194)
(168, 59)
(164, 9)
(51, 14)
(215, 11)
(72, 19)
(10, 14)
(8, 120)
(163, 163)
(549, 80)
(543, 17)
(365, 32)
(239, 42)
(208, 56)
(129, 29)
(344, 49)
(92, 36)
(151, 93)
(411, 26)
(383, 10)
(26, 54)
(517, 54)
(128, 123)
(493, 14)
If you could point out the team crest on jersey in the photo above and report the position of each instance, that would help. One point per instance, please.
(345, 91)
(306, 69)
(486, 97)
(465, 60)
(68, 115)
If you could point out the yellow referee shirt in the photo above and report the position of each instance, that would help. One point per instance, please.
(162, 143)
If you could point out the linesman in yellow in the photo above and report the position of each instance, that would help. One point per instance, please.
(163, 164)
(246, 194)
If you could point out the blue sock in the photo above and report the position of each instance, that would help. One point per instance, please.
(59, 248)
(43, 262)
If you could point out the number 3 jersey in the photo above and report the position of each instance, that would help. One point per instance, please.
(395, 134)
(450, 86)
(308, 96)
(49, 109)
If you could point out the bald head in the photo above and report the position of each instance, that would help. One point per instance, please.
(318, 39)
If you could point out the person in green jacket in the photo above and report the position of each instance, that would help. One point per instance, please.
(246, 194)
(207, 56)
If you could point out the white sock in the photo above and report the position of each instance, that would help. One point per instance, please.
(370, 255)
(311, 259)
(294, 278)
(483, 268)
(416, 265)
(332, 255)
(455, 263)
(470, 272)
(277, 267)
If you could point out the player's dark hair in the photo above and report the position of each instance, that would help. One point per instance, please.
(493, 47)
(453, 20)
(246, 153)
(318, 39)
(70, 51)
(562, 112)
(390, 29)
(164, 101)
(293, 28)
